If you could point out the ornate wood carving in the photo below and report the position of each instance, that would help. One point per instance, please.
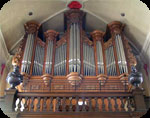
(18, 56)
(62, 40)
(116, 27)
(97, 35)
(51, 34)
(74, 78)
(74, 16)
(47, 78)
(31, 27)
(108, 43)
(86, 39)
(130, 57)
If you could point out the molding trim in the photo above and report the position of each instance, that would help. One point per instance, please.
(3, 46)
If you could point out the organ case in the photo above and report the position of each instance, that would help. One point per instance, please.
(75, 56)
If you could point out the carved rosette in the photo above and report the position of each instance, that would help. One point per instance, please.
(102, 79)
(32, 27)
(124, 78)
(74, 16)
(74, 78)
(51, 34)
(116, 27)
(47, 78)
(97, 35)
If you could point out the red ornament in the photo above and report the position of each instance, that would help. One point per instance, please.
(74, 5)
(2, 69)
(146, 69)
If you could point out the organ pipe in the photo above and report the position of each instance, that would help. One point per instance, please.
(88, 60)
(60, 60)
(31, 29)
(110, 62)
(50, 36)
(74, 50)
(121, 55)
(76, 54)
(26, 61)
(116, 29)
(98, 40)
(38, 59)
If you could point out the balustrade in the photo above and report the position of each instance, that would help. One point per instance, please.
(67, 103)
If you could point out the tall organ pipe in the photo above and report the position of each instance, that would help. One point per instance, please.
(60, 60)
(88, 60)
(26, 61)
(116, 29)
(74, 49)
(38, 60)
(50, 36)
(97, 37)
(121, 55)
(110, 61)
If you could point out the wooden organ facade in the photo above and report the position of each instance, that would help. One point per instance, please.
(75, 57)
(77, 72)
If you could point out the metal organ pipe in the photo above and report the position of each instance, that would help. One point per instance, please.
(38, 60)
(100, 62)
(110, 61)
(60, 60)
(49, 55)
(88, 60)
(26, 62)
(121, 55)
(74, 50)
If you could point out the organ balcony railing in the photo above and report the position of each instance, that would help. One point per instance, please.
(75, 57)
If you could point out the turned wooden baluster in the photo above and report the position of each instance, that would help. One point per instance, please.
(57, 104)
(116, 104)
(38, 104)
(51, 104)
(128, 104)
(122, 104)
(64, 104)
(103, 104)
(26, 108)
(70, 105)
(109, 104)
(77, 105)
(96, 104)
(90, 105)
(83, 105)
(32, 104)
(45, 104)
(19, 104)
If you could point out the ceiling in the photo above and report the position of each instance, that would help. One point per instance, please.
(15, 14)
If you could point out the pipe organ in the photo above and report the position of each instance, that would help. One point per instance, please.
(75, 55)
